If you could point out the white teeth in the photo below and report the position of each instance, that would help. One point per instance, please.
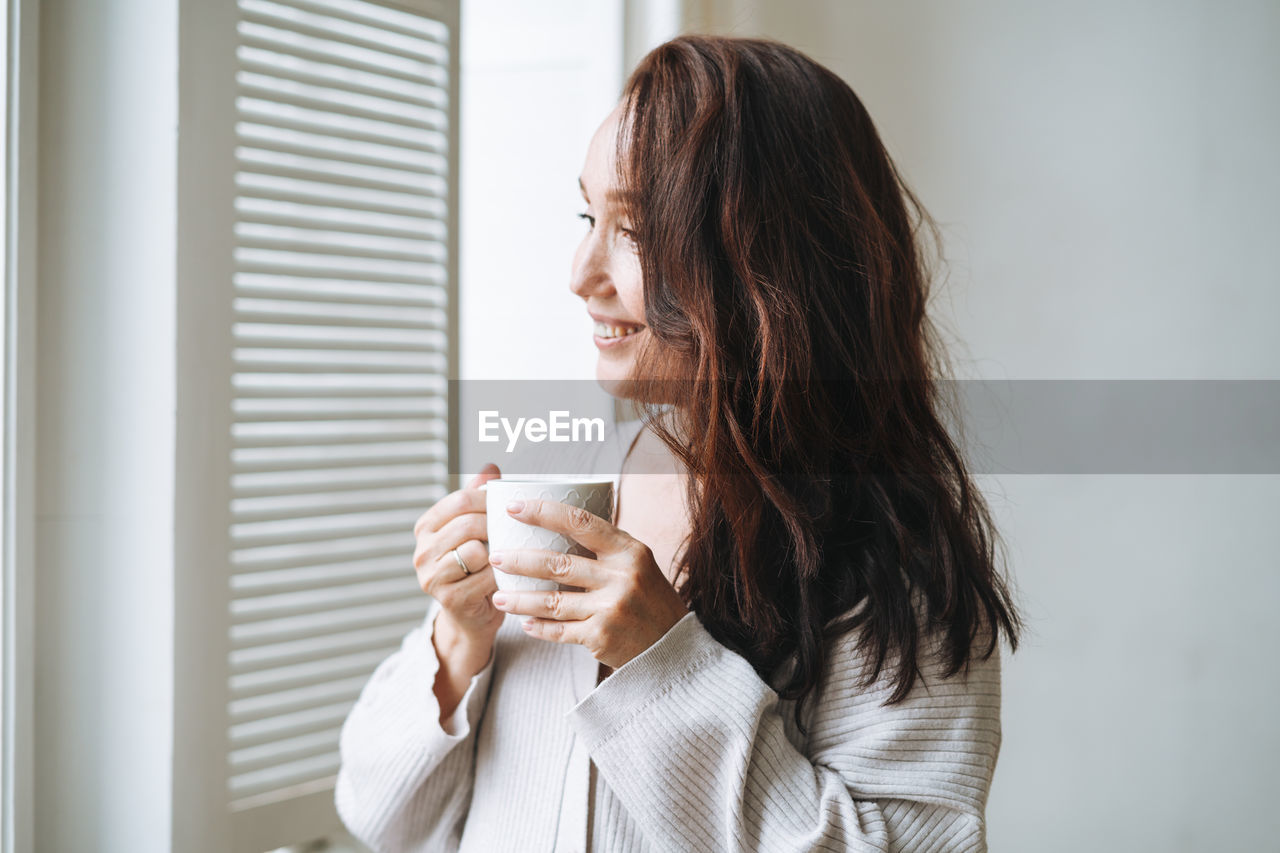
(606, 331)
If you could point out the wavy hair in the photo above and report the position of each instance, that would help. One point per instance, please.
(783, 261)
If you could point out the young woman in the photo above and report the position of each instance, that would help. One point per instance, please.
(791, 642)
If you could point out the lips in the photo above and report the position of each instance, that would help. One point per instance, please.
(608, 335)
(612, 331)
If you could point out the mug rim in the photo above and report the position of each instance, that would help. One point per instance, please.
(562, 481)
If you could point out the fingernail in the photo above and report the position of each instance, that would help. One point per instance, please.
(515, 506)
(495, 558)
(499, 599)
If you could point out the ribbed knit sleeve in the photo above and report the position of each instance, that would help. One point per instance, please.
(405, 782)
(697, 748)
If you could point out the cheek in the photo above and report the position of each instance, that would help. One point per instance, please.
(630, 284)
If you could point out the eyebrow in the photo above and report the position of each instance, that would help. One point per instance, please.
(613, 195)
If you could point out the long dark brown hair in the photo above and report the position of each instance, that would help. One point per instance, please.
(784, 265)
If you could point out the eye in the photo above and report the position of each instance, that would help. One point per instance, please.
(591, 220)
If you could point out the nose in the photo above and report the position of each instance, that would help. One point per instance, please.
(590, 273)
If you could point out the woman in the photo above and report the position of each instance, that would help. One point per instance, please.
(805, 656)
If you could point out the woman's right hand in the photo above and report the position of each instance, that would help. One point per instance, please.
(458, 520)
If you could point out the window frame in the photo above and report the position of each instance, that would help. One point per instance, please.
(17, 557)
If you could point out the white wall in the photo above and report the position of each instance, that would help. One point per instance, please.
(1106, 175)
(537, 80)
(1106, 170)
(105, 419)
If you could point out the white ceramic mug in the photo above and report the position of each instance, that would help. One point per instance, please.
(505, 533)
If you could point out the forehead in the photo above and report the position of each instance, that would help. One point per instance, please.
(599, 169)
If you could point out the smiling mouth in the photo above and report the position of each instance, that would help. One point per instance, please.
(608, 332)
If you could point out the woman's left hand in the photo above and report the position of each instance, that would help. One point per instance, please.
(627, 603)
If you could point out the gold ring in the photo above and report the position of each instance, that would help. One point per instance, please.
(461, 564)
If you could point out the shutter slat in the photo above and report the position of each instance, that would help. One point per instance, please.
(249, 410)
(352, 361)
(298, 554)
(297, 602)
(322, 671)
(423, 334)
(277, 39)
(258, 707)
(323, 481)
(323, 526)
(269, 87)
(284, 775)
(252, 259)
(351, 244)
(341, 291)
(352, 194)
(308, 433)
(260, 433)
(360, 130)
(290, 505)
(288, 310)
(386, 637)
(244, 761)
(277, 752)
(286, 484)
(271, 211)
(288, 725)
(290, 458)
(304, 385)
(319, 576)
(308, 264)
(289, 141)
(330, 170)
(327, 74)
(390, 20)
(346, 32)
(323, 622)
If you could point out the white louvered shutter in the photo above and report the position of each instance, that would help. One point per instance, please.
(342, 340)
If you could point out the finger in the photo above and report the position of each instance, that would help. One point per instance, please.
(554, 631)
(474, 555)
(487, 473)
(553, 604)
(549, 565)
(445, 573)
(459, 529)
(459, 593)
(470, 499)
(451, 505)
(586, 528)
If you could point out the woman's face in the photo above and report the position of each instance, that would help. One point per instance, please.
(606, 267)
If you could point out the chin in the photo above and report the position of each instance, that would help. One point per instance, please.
(615, 378)
(625, 388)
(616, 375)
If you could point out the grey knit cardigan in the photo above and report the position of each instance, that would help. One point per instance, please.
(684, 748)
